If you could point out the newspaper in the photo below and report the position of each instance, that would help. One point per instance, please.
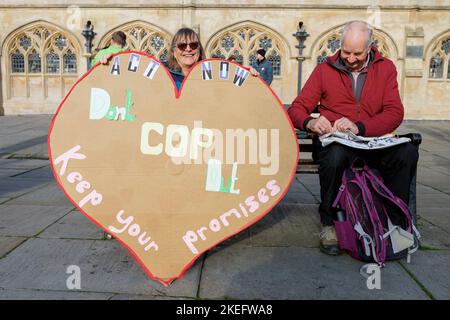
(354, 141)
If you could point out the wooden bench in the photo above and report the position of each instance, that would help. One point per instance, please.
(307, 165)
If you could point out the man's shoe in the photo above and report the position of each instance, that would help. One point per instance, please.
(329, 241)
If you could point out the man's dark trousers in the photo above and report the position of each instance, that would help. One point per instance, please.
(397, 166)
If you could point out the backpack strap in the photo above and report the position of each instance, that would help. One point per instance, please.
(390, 196)
(367, 240)
(416, 232)
(410, 252)
(341, 190)
(382, 190)
(346, 178)
(380, 243)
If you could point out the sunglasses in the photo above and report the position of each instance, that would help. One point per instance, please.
(182, 45)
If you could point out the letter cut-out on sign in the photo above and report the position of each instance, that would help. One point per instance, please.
(240, 76)
(100, 103)
(133, 63)
(151, 69)
(224, 70)
(115, 70)
(207, 70)
(215, 180)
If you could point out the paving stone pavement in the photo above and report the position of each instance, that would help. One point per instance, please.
(41, 234)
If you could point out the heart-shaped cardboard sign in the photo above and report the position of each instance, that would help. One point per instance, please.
(171, 174)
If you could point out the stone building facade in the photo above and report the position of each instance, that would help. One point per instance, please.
(43, 50)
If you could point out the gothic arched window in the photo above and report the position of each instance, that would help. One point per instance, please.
(52, 62)
(142, 36)
(70, 62)
(439, 67)
(34, 62)
(17, 62)
(35, 43)
(243, 41)
(35, 56)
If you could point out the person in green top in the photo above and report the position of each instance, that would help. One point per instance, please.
(118, 42)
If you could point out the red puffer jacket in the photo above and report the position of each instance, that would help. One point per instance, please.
(380, 110)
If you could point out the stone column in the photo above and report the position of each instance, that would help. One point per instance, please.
(414, 71)
(2, 111)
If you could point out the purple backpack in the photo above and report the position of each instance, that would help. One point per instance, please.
(365, 229)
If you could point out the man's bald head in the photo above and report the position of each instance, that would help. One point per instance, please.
(356, 39)
(357, 30)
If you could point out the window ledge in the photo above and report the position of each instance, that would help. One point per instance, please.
(438, 80)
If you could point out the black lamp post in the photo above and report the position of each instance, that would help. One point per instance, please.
(88, 34)
(301, 36)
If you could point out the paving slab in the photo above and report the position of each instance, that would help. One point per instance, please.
(437, 216)
(444, 152)
(427, 158)
(310, 182)
(431, 268)
(27, 294)
(299, 197)
(430, 144)
(287, 225)
(105, 267)
(22, 163)
(27, 146)
(439, 130)
(296, 273)
(9, 243)
(297, 186)
(14, 123)
(74, 225)
(432, 157)
(3, 200)
(433, 236)
(241, 238)
(445, 170)
(5, 173)
(314, 189)
(434, 179)
(433, 200)
(437, 201)
(28, 221)
(298, 213)
(307, 178)
(425, 190)
(12, 188)
(49, 195)
(40, 173)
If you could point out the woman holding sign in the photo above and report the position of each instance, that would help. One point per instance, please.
(185, 51)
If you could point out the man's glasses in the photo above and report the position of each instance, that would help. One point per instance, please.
(182, 45)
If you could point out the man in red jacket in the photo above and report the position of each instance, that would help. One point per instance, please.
(357, 91)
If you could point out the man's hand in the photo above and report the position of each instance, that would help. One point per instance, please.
(105, 58)
(320, 125)
(254, 72)
(343, 125)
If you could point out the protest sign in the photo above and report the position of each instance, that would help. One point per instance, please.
(171, 174)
